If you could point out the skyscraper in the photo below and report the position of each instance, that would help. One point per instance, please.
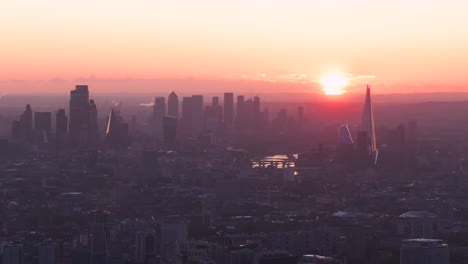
(345, 144)
(79, 116)
(228, 110)
(169, 131)
(173, 105)
(368, 126)
(159, 111)
(240, 111)
(48, 253)
(186, 124)
(197, 114)
(61, 122)
(12, 254)
(116, 130)
(99, 236)
(424, 251)
(145, 247)
(26, 124)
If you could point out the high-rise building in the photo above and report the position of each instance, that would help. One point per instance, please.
(197, 114)
(99, 236)
(240, 112)
(170, 131)
(116, 130)
(424, 251)
(145, 247)
(173, 105)
(43, 121)
(61, 122)
(26, 124)
(48, 253)
(228, 110)
(213, 116)
(368, 126)
(186, 124)
(170, 233)
(79, 116)
(93, 127)
(12, 254)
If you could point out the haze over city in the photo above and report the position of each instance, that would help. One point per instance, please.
(233, 132)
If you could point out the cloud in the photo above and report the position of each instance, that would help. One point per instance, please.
(357, 76)
(57, 80)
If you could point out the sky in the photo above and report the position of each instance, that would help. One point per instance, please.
(398, 46)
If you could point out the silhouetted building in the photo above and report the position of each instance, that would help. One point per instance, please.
(424, 251)
(368, 126)
(26, 124)
(173, 105)
(79, 116)
(12, 254)
(61, 122)
(48, 253)
(187, 114)
(145, 247)
(228, 110)
(197, 114)
(99, 236)
(116, 130)
(213, 116)
(170, 131)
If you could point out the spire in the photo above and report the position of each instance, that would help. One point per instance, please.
(368, 124)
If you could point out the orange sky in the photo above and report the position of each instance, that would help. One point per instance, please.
(392, 44)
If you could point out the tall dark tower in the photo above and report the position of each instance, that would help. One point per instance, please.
(99, 236)
(159, 111)
(93, 128)
(368, 126)
(197, 114)
(173, 105)
(186, 124)
(79, 115)
(240, 111)
(26, 124)
(61, 127)
(228, 110)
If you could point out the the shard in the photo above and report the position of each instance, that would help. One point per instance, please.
(368, 126)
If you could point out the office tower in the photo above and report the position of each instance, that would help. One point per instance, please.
(133, 126)
(99, 236)
(197, 114)
(424, 251)
(12, 254)
(79, 115)
(368, 126)
(344, 136)
(116, 130)
(61, 122)
(48, 253)
(145, 247)
(170, 131)
(213, 116)
(186, 124)
(43, 121)
(93, 128)
(215, 101)
(240, 111)
(256, 111)
(228, 110)
(159, 111)
(170, 233)
(173, 105)
(26, 124)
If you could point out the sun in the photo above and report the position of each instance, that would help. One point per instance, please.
(334, 84)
